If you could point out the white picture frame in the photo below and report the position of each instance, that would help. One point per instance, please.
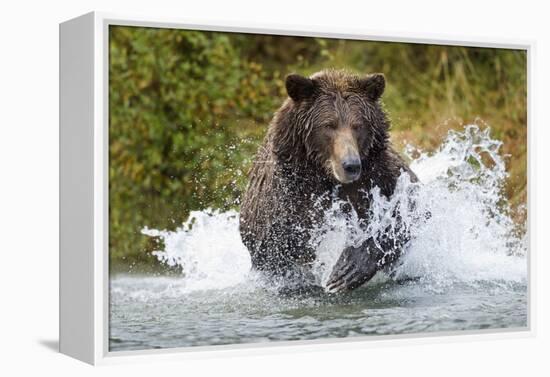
(84, 269)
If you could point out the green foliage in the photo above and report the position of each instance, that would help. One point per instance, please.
(180, 104)
(189, 108)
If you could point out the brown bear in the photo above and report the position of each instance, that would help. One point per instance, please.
(331, 133)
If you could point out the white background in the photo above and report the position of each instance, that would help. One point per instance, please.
(29, 185)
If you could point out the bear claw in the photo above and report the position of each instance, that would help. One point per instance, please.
(355, 267)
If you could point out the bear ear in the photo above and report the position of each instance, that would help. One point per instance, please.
(299, 87)
(373, 86)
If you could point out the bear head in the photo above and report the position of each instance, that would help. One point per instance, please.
(333, 120)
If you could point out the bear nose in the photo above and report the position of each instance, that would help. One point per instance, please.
(352, 166)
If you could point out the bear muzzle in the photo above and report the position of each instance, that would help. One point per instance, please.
(351, 168)
(348, 170)
(345, 159)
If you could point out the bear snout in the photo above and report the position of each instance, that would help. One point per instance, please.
(347, 170)
(352, 166)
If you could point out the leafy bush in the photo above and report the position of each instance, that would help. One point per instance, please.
(176, 101)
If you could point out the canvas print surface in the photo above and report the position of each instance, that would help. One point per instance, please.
(268, 188)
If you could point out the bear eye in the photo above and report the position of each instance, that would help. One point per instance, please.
(331, 125)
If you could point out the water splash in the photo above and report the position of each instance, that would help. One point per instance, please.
(470, 235)
(208, 249)
(458, 219)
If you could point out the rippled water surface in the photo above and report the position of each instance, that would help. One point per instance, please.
(465, 267)
(147, 312)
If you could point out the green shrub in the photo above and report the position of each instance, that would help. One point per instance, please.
(178, 101)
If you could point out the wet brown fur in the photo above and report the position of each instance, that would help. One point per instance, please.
(292, 180)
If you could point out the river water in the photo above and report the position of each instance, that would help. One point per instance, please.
(465, 267)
